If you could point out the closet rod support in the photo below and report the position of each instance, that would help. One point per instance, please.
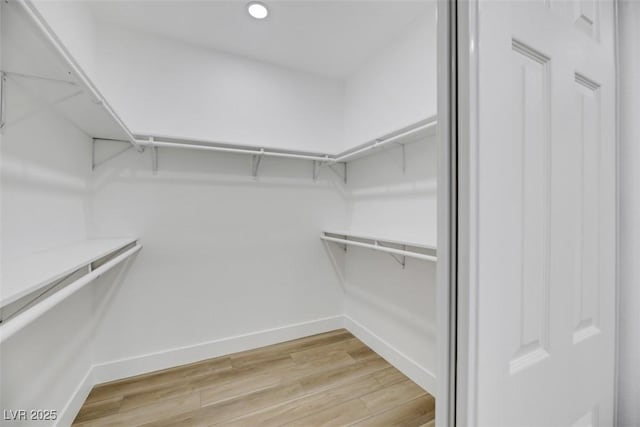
(317, 164)
(154, 156)
(95, 163)
(341, 174)
(256, 159)
(402, 260)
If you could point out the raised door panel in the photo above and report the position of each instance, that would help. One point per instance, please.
(587, 277)
(531, 140)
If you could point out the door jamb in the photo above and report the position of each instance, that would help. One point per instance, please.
(466, 143)
(446, 295)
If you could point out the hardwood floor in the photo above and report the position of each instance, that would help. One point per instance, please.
(326, 379)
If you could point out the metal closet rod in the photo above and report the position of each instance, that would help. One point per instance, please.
(10, 327)
(345, 155)
(259, 152)
(377, 247)
(327, 158)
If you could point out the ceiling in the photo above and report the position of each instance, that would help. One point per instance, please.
(328, 37)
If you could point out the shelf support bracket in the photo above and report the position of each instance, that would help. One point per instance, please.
(154, 157)
(95, 163)
(316, 169)
(255, 163)
(317, 164)
(3, 99)
(341, 174)
(339, 269)
(400, 259)
(404, 158)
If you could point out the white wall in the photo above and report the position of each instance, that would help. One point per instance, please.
(164, 87)
(45, 161)
(397, 305)
(384, 200)
(629, 291)
(223, 255)
(396, 87)
(45, 167)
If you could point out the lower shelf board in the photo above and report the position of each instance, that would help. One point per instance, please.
(325, 379)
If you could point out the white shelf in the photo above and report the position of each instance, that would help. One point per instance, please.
(406, 135)
(25, 275)
(39, 67)
(395, 241)
(412, 249)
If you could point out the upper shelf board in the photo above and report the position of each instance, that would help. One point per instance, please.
(37, 66)
(408, 134)
(25, 275)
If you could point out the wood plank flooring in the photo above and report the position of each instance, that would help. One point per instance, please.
(330, 379)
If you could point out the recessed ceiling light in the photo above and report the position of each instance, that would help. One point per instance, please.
(257, 10)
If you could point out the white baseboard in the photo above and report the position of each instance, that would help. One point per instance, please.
(71, 409)
(412, 369)
(145, 363)
(123, 368)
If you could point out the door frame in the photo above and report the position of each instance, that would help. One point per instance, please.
(466, 20)
(447, 268)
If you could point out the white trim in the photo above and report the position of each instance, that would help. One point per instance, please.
(123, 368)
(71, 409)
(618, 178)
(468, 121)
(448, 201)
(412, 369)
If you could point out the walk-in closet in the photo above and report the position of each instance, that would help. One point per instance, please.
(219, 213)
(319, 213)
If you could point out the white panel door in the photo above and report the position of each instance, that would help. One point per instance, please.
(546, 214)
